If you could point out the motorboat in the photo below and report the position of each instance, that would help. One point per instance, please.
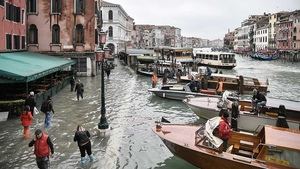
(272, 147)
(209, 107)
(239, 83)
(180, 92)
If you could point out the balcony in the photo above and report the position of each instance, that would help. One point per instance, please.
(281, 38)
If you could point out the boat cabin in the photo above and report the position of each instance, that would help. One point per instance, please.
(183, 55)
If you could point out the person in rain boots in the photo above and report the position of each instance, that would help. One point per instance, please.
(30, 101)
(82, 137)
(26, 119)
(154, 79)
(72, 83)
(47, 108)
(79, 89)
(43, 149)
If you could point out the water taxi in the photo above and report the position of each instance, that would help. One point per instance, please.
(209, 107)
(272, 147)
(222, 60)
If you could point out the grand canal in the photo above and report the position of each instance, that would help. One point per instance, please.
(131, 112)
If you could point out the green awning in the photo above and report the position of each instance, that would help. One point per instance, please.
(23, 67)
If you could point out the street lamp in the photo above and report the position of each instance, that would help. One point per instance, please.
(103, 124)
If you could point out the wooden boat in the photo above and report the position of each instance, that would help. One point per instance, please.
(160, 66)
(222, 60)
(242, 84)
(180, 92)
(207, 107)
(272, 147)
(266, 56)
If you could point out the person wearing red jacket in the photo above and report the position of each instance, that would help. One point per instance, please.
(26, 119)
(224, 129)
(42, 147)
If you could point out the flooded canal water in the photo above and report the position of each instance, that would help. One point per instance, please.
(131, 112)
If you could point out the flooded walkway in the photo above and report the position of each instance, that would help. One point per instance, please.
(131, 112)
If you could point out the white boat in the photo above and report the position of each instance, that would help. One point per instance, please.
(180, 92)
(4, 116)
(207, 107)
(222, 60)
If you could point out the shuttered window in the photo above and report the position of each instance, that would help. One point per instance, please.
(110, 31)
(23, 42)
(33, 35)
(79, 34)
(56, 6)
(110, 15)
(79, 6)
(8, 41)
(16, 42)
(55, 34)
(13, 13)
(31, 6)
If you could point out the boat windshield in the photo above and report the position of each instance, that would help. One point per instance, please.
(280, 156)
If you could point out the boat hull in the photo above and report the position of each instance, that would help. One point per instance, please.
(183, 146)
(263, 57)
(230, 66)
(176, 95)
(145, 73)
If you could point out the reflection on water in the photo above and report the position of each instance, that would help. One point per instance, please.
(131, 112)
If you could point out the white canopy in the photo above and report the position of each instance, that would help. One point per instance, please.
(210, 125)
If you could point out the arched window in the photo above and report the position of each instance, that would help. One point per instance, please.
(110, 31)
(79, 34)
(110, 15)
(96, 36)
(55, 34)
(33, 35)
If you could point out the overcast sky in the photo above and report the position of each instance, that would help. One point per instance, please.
(208, 19)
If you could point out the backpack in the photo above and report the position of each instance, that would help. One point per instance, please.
(44, 107)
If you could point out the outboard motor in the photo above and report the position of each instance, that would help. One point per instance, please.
(281, 118)
(234, 115)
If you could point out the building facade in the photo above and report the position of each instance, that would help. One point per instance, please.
(216, 43)
(295, 17)
(261, 38)
(64, 28)
(229, 40)
(119, 26)
(12, 25)
(158, 38)
(152, 36)
(284, 28)
(242, 38)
